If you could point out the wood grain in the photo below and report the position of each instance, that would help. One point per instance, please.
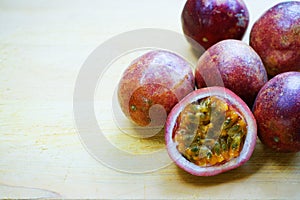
(43, 45)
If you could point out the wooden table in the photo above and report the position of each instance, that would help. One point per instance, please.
(43, 45)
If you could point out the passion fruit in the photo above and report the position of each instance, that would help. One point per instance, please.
(275, 36)
(234, 65)
(210, 21)
(158, 77)
(277, 111)
(210, 131)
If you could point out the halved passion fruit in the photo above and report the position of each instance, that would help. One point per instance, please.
(210, 131)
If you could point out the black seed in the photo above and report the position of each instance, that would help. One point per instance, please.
(233, 130)
(227, 123)
(209, 155)
(234, 145)
(229, 140)
(216, 148)
(195, 149)
(224, 147)
(236, 127)
(223, 144)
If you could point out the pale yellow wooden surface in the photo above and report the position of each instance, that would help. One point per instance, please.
(42, 47)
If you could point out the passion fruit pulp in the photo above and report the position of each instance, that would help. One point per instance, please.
(210, 131)
(277, 111)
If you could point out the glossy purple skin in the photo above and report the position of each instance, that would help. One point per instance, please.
(210, 21)
(157, 77)
(232, 64)
(275, 36)
(238, 104)
(277, 111)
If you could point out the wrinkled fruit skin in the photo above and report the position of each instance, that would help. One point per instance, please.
(275, 36)
(277, 111)
(232, 64)
(234, 100)
(155, 78)
(210, 21)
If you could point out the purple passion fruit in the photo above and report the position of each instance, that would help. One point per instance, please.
(210, 131)
(156, 78)
(234, 65)
(277, 111)
(275, 36)
(210, 21)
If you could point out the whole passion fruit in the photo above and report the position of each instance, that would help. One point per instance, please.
(210, 21)
(210, 131)
(275, 36)
(234, 65)
(158, 77)
(277, 111)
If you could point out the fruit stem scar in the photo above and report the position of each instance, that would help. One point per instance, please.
(133, 107)
(241, 20)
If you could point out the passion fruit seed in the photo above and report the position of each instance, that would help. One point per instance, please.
(210, 132)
